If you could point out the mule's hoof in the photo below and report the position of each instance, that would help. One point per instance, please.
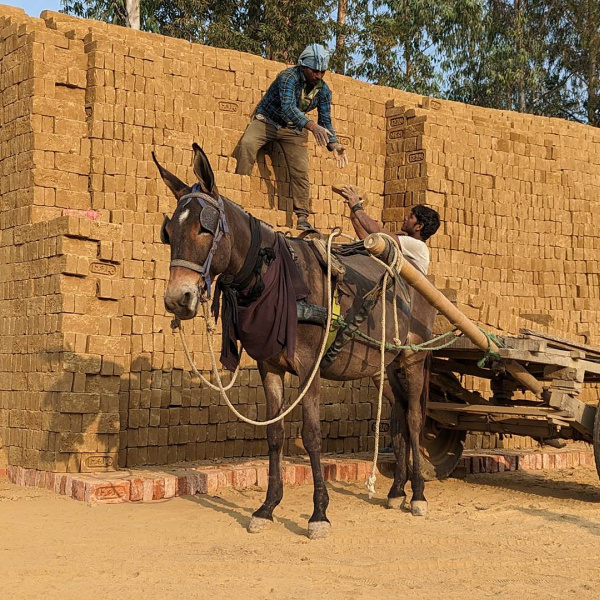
(257, 524)
(398, 503)
(418, 508)
(318, 530)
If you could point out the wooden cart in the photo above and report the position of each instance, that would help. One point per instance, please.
(561, 366)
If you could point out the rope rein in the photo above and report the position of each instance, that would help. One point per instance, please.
(210, 326)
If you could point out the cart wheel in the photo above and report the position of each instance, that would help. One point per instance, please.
(596, 439)
(441, 448)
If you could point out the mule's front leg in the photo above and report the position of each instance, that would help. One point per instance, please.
(272, 379)
(318, 524)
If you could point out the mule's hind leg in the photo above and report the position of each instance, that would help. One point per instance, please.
(393, 391)
(272, 379)
(318, 524)
(415, 380)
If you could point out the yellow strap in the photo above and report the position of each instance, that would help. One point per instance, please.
(336, 311)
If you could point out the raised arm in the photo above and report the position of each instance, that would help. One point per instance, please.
(363, 224)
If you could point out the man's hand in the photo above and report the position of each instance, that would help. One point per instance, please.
(341, 156)
(351, 195)
(321, 134)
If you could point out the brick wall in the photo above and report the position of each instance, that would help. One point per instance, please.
(91, 377)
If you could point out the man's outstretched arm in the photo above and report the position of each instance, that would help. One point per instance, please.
(363, 224)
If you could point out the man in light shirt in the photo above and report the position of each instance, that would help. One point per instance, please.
(420, 224)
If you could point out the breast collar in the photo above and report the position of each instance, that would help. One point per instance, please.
(213, 221)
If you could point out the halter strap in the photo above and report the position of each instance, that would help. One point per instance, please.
(222, 228)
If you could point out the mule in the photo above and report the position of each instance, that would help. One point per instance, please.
(198, 257)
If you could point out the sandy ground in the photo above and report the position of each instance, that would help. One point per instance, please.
(512, 535)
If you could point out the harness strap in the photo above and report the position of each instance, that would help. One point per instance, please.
(188, 265)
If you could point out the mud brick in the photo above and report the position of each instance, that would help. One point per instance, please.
(243, 478)
(159, 489)
(72, 402)
(303, 474)
(289, 474)
(78, 490)
(207, 482)
(136, 490)
(545, 461)
(148, 489)
(170, 486)
(108, 492)
(182, 487)
(262, 477)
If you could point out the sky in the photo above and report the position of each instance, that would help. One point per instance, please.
(34, 7)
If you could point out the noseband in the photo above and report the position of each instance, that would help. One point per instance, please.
(213, 221)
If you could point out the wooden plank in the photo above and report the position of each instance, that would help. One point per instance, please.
(558, 358)
(521, 411)
(562, 341)
(535, 429)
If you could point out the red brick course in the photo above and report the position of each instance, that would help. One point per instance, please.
(148, 485)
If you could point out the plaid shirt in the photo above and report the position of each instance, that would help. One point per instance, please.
(280, 104)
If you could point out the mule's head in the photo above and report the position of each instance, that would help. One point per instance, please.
(198, 236)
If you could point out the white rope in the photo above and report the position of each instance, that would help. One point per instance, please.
(389, 270)
(219, 387)
(210, 327)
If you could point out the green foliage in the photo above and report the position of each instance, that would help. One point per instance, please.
(538, 56)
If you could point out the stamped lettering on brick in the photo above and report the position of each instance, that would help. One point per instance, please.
(345, 140)
(100, 268)
(99, 461)
(231, 107)
(415, 157)
(395, 135)
(397, 122)
(435, 104)
(383, 427)
(110, 492)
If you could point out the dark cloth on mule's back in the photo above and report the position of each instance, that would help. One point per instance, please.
(268, 324)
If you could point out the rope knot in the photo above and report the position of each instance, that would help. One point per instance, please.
(370, 485)
(175, 323)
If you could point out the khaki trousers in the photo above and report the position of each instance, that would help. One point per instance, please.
(295, 149)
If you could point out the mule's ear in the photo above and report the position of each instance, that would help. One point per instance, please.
(175, 184)
(203, 170)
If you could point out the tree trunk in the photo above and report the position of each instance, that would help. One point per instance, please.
(341, 35)
(521, 104)
(593, 49)
(133, 13)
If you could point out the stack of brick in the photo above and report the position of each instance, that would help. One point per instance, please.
(83, 271)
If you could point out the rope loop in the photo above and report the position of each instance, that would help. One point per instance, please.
(489, 353)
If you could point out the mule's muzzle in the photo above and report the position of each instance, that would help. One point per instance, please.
(184, 300)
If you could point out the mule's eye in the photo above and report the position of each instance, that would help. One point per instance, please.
(164, 236)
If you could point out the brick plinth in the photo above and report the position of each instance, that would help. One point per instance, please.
(148, 485)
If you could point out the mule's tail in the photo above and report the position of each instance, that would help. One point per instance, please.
(425, 391)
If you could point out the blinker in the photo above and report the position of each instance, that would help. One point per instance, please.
(209, 219)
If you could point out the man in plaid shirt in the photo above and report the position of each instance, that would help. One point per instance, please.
(281, 116)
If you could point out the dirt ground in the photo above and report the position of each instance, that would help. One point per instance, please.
(511, 535)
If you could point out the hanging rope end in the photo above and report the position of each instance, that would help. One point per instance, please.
(370, 485)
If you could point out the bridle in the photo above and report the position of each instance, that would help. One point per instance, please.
(212, 220)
